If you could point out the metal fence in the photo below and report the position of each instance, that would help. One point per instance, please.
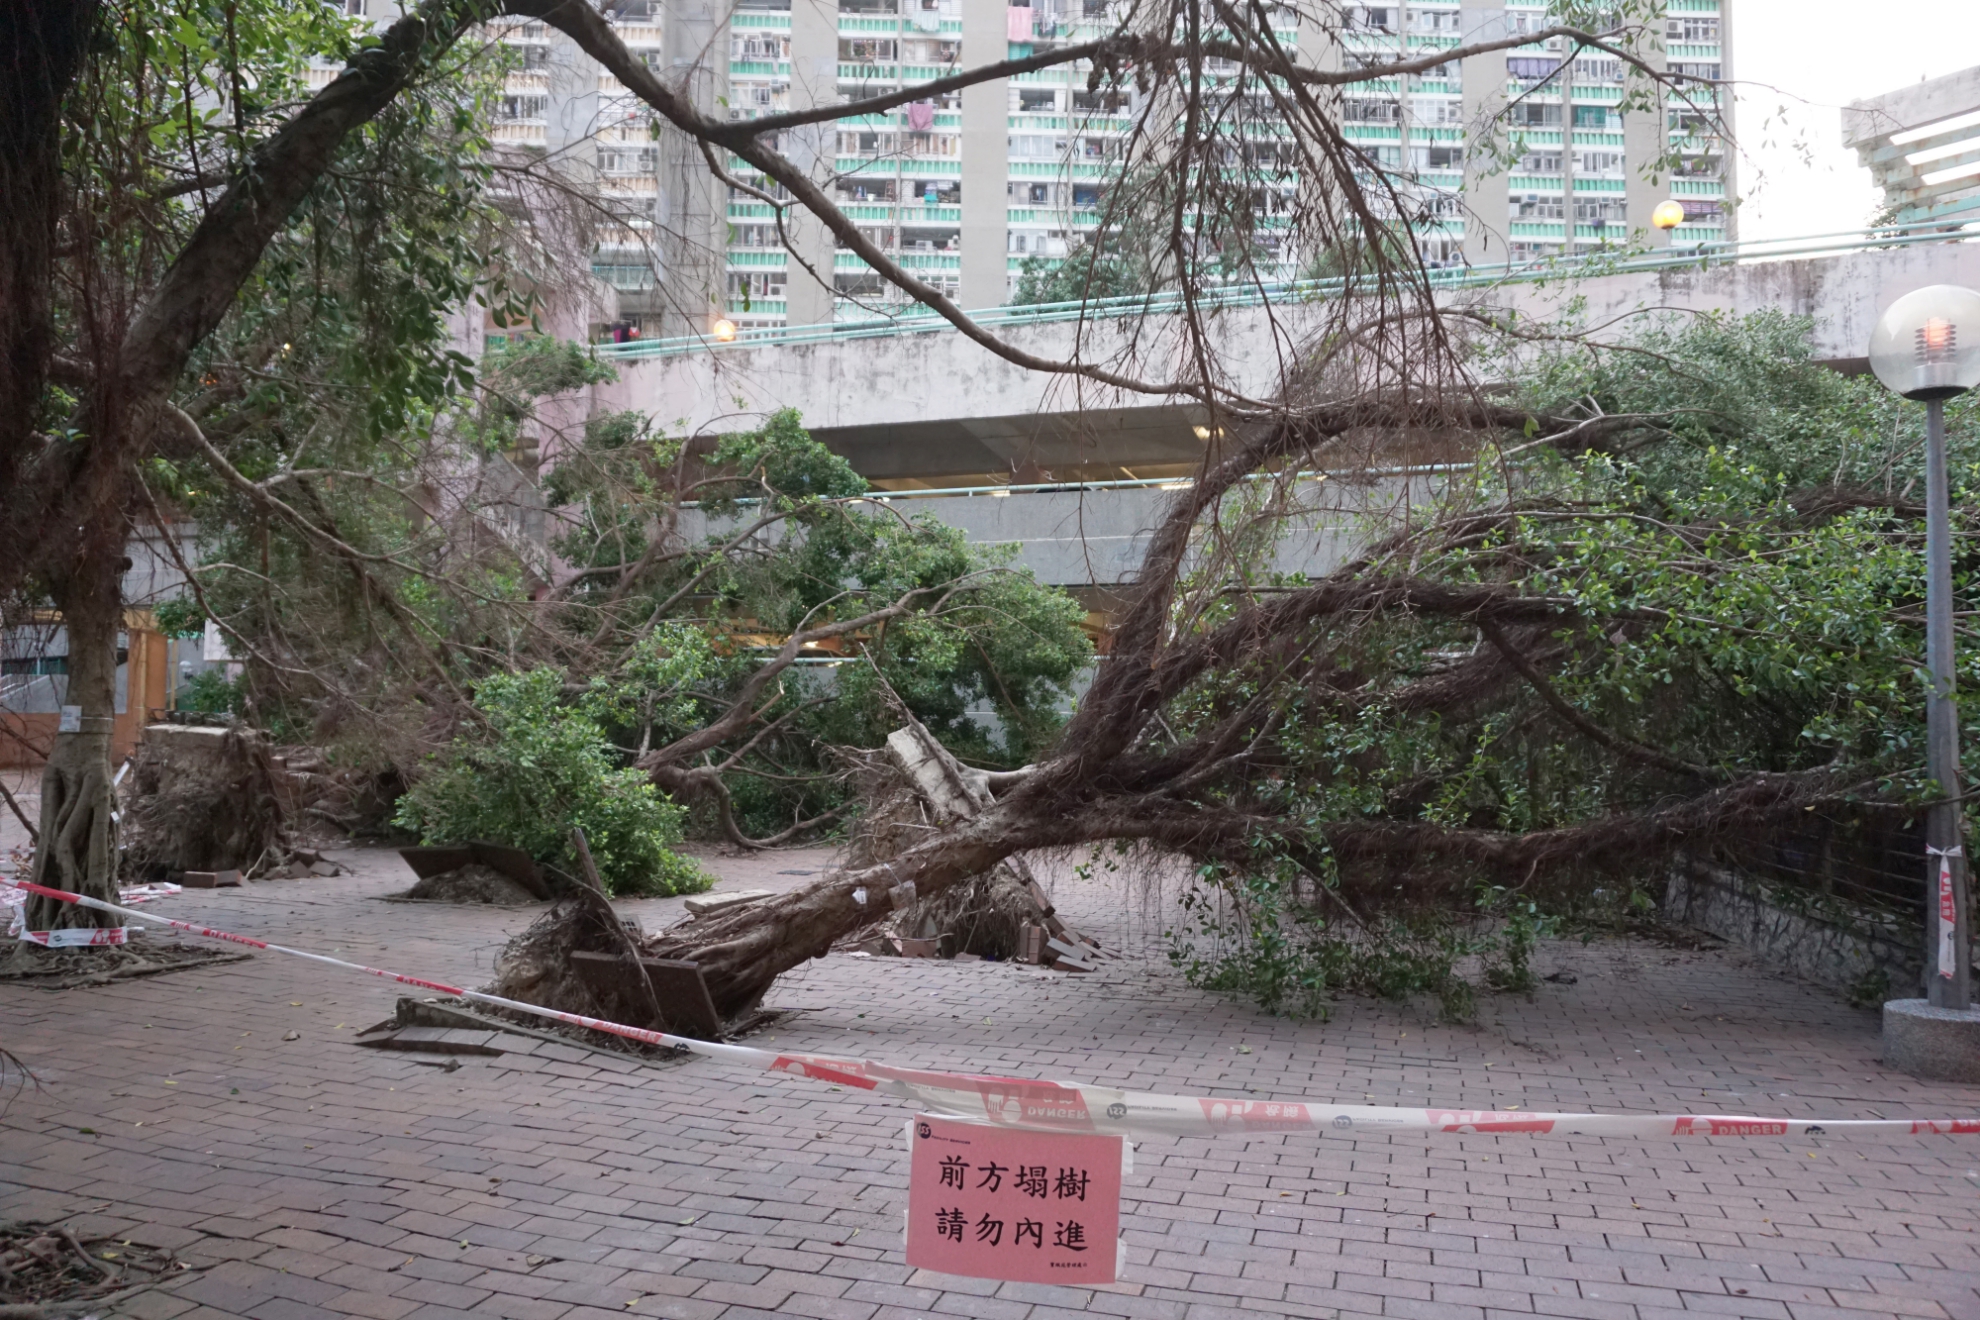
(921, 320)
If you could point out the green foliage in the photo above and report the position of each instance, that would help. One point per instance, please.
(181, 619)
(1509, 950)
(986, 658)
(515, 376)
(1869, 990)
(1088, 273)
(540, 768)
(210, 692)
(782, 461)
(1252, 933)
(1738, 583)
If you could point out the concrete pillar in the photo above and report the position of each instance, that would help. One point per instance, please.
(1486, 192)
(1728, 159)
(986, 150)
(1319, 48)
(570, 114)
(1644, 136)
(570, 135)
(690, 205)
(814, 82)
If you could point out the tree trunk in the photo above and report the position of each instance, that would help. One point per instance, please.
(78, 850)
(742, 952)
(41, 48)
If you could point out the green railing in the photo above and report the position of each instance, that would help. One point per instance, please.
(921, 320)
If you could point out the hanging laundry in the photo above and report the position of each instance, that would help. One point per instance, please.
(1019, 19)
(921, 115)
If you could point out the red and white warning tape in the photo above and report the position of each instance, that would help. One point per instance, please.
(15, 900)
(1073, 1107)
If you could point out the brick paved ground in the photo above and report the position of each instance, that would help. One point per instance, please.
(314, 1178)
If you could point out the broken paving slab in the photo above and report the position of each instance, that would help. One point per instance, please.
(437, 1040)
(702, 905)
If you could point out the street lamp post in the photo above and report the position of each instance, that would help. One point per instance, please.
(1927, 347)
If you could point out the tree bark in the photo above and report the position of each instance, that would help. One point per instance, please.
(64, 511)
(742, 952)
(41, 48)
(78, 849)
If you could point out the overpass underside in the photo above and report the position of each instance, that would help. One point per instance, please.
(1101, 444)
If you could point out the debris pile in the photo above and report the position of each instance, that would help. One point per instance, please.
(476, 882)
(477, 872)
(47, 1270)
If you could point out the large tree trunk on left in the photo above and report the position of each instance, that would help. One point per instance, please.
(41, 48)
(78, 849)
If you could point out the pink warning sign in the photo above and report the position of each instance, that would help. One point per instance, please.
(995, 1203)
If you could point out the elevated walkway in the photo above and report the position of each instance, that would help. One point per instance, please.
(911, 402)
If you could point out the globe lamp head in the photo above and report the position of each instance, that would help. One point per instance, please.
(1927, 344)
(724, 330)
(1668, 215)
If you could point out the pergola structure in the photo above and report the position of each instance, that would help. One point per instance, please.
(1922, 144)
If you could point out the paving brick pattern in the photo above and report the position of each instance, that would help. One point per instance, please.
(314, 1178)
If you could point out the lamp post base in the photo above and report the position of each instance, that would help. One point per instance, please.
(1933, 1044)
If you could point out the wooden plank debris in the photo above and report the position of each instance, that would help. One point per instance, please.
(702, 905)
(958, 792)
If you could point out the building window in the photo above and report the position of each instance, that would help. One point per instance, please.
(1693, 29)
(35, 665)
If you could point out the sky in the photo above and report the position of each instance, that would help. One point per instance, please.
(1798, 62)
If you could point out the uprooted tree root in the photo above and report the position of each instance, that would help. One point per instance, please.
(70, 969)
(204, 800)
(536, 968)
(47, 1270)
(984, 915)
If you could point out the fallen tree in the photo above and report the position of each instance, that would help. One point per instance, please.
(1700, 621)
(185, 202)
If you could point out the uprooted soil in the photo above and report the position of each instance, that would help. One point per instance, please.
(50, 1269)
(69, 969)
(473, 883)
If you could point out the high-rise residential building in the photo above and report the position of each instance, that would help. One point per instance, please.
(966, 188)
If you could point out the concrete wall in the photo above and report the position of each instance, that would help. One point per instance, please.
(1837, 945)
(914, 381)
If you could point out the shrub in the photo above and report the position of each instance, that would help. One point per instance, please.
(540, 767)
(210, 692)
